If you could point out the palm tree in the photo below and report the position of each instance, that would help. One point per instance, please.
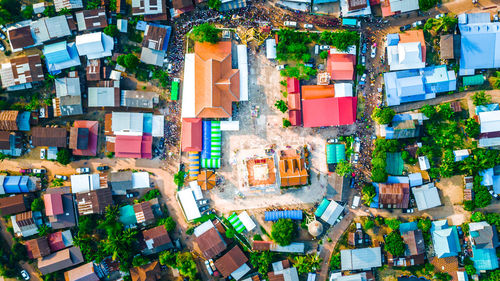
(495, 80)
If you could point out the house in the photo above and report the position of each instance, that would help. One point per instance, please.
(94, 201)
(209, 240)
(38, 247)
(320, 107)
(68, 4)
(406, 50)
(336, 276)
(49, 136)
(107, 95)
(148, 272)
(355, 8)
(449, 46)
(152, 10)
(445, 239)
(94, 45)
(402, 126)
(60, 240)
(155, 43)
(11, 143)
(191, 134)
(60, 260)
(423, 163)
(61, 55)
(84, 272)
(233, 263)
(93, 70)
(139, 99)
(283, 272)
(292, 168)
(24, 224)
(122, 25)
(9, 120)
(364, 258)
(120, 182)
(83, 137)
(210, 97)
(20, 72)
(180, 7)
(490, 128)
(87, 182)
(341, 66)
(294, 247)
(144, 212)
(484, 241)
(426, 196)
(68, 100)
(18, 184)
(20, 38)
(13, 205)
(330, 213)
(480, 42)
(91, 19)
(59, 208)
(155, 240)
(460, 154)
(394, 195)
(418, 84)
(392, 7)
(415, 246)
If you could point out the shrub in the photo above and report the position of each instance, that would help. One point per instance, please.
(283, 232)
(477, 217)
(281, 106)
(63, 156)
(323, 55)
(369, 224)
(394, 244)
(383, 115)
(37, 205)
(111, 30)
(286, 123)
(205, 32)
(481, 98)
(393, 223)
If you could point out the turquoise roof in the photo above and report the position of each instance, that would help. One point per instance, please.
(56, 53)
(127, 215)
(445, 239)
(322, 207)
(484, 259)
(407, 226)
(335, 153)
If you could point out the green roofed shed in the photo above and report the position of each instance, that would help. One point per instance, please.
(473, 80)
(236, 223)
(335, 153)
(322, 207)
(127, 215)
(394, 164)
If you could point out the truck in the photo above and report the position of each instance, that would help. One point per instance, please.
(290, 24)
(355, 202)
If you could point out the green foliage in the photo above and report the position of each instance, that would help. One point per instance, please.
(190, 231)
(12, 6)
(448, 164)
(482, 197)
(369, 224)
(168, 223)
(323, 55)
(186, 265)
(481, 98)
(281, 105)
(360, 69)
(44, 230)
(472, 128)
(344, 168)
(110, 155)
(445, 111)
(469, 205)
(335, 261)
(470, 269)
(442, 276)
(283, 232)
(63, 156)
(284, 83)
(495, 80)
(152, 194)
(129, 61)
(111, 30)
(394, 244)
(493, 219)
(429, 111)
(27, 13)
(392, 223)
(379, 175)
(424, 225)
(341, 40)
(257, 237)
(64, 11)
(446, 24)
(286, 123)
(140, 260)
(230, 233)
(19, 252)
(93, 4)
(112, 6)
(383, 115)
(214, 4)
(162, 77)
(167, 258)
(477, 217)
(261, 261)
(480, 159)
(205, 32)
(300, 72)
(368, 194)
(307, 263)
(179, 178)
(427, 4)
(37, 205)
(292, 45)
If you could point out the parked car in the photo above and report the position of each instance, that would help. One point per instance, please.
(405, 27)
(2, 48)
(132, 194)
(25, 274)
(103, 168)
(417, 23)
(202, 202)
(83, 170)
(363, 78)
(43, 153)
(493, 194)
(440, 16)
(3, 28)
(281, 66)
(207, 265)
(25, 171)
(324, 47)
(61, 177)
(408, 211)
(363, 50)
(39, 171)
(290, 23)
(374, 51)
(363, 60)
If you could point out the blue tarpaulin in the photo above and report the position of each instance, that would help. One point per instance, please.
(23, 184)
(289, 214)
(11, 184)
(207, 134)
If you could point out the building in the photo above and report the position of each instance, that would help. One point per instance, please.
(480, 42)
(332, 214)
(449, 46)
(490, 129)
(18, 184)
(93, 71)
(94, 45)
(20, 72)
(394, 195)
(426, 196)
(341, 66)
(20, 38)
(418, 84)
(233, 263)
(484, 241)
(120, 182)
(93, 201)
(393, 7)
(84, 272)
(358, 259)
(406, 50)
(60, 240)
(180, 7)
(87, 182)
(152, 10)
(415, 246)
(11, 143)
(49, 136)
(155, 44)
(24, 224)
(191, 134)
(61, 55)
(210, 97)
(68, 4)
(292, 168)
(188, 204)
(139, 99)
(38, 247)
(294, 247)
(91, 19)
(12, 205)
(209, 240)
(355, 8)
(107, 95)
(68, 100)
(83, 137)
(155, 240)
(144, 212)
(283, 272)
(148, 272)
(9, 120)
(402, 126)
(60, 260)
(445, 239)
(59, 208)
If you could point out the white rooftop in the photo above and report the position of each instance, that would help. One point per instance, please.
(84, 183)
(426, 196)
(188, 203)
(405, 56)
(94, 45)
(140, 180)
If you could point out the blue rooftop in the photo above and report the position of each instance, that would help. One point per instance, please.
(23, 121)
(61, 56)
(487, 107)
(147, 123)
(407, 226)
(445, 239)
(392, 39)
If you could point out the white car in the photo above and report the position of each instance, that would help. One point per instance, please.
(374, 51)
(83, 170)
(495, 17)
(61, 177)
(281, 66)
(324, 47)
(308, 26)
(417, 23)
(43, 152)
(25, 275)
(355, 158)
(169, 68)
(39, 171)
(290, 23)
(363, 60)
(440, 16)
(363, 77)
(209, 269)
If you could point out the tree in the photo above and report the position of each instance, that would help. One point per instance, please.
(214, 4)
(477, 217)
(323, 55)
(111, 30)
(12, 6)
(481, 98)
(307, 263)
(445, 111)
(344, 168)
(262, 261)
(429, 111)
(281, 105)
(482, 197)
(335, 261)
(140, 260)
(64, 11)
(167, 258)
(394, 244)
(286, 123)
(493, 219)
(49, 11)
(368, 194)
(283, 232)
(179, 178)
(186, 265)
(369, 224)
(495, 80)
(19, 252)
(341, 40)
(383, 115)
(44, 230)
(392, 223)
(447, 167)
(424, 224)
(205, 32)
(230, 233)
(63, 156)
(168, 223)
(154, 193)
(470, 269)
(130, 61)
(27, 13)
(442, 276)
(379, 175)
(469, 205)
(472, 128)
(37, 205)
(426, 4)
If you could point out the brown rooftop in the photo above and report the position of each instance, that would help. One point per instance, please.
(415, 242)
(231, 261)
(394, 195)
(262, 245)
(8, 120)
(94, 70)
(38, 247)
(181, 4)
(154, 37)
(94, 201)
(4, 140)
(357, 4)
(157, 236)
(84, 272)
(91, 19)
(21, 70)
(60, 260)
(261, 171)
(12, 205)
(211, 243)
(292, 168)
(148, 272)
(21, 37)
(43, 136)
(144, 212)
